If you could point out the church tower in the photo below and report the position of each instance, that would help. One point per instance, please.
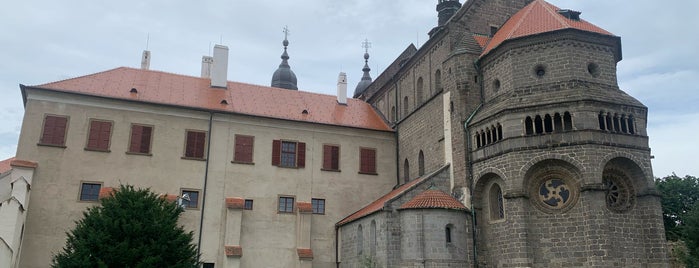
(284, 77)
(446, 9)
(366, 77)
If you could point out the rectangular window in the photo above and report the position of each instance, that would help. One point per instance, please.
(54, 132)
(141, 136)
(195, 143)
(208, 265)
(193, 197)
(99, 135)
(90, 191)
(286, 204)
(288, 154)
(318, 206)
(367, 160)
(243, 149)
(331, 157)
(248, 204)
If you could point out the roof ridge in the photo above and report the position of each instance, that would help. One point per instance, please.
(77, 77)
(548, 6)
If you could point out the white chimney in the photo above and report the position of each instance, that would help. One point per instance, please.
(342, 88)
(206, 63)
(219, 69)
(145, 60)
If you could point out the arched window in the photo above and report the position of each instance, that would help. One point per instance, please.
(567, 121)
(405, 106)
(447, 232)
(557, 123)
(360, 241)
(372, 238)
(420, 90)
(610, 126)
(483, 141)
(494, 132)
(600, 117)
(616, 123)
(495, 203)
(477, 138)
(421, 163)
(499, 132)
(393, 113)
(438, 81)
(631, 125)
(488, 136)
(548, 124)
(538, 125)
(528, 126)
(623, 120)
(406, 171)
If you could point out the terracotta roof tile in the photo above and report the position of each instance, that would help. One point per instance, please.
(433, 199)
(538, 17)
(233, 251)
(304, 207)
(379, 203)
(305, 253)
(170, 197)
(482, 40)
(23, 163)
(106, 192)
(5, 165)
(235, 202)
(195, 92)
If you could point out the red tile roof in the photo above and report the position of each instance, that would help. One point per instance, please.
(235, 202)
(23, 163)
(106, 192)
(304, 207)
(433, 199)
(379, 203)
(5, 165)
(536, 18)
(482, 40)
(304, 253)
(195, 92)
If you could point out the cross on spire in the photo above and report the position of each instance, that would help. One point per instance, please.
(286, 32)
(366, 45)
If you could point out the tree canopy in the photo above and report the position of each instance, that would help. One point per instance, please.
(131, 228)
(681, 213)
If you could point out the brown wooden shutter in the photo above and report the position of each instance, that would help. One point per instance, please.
(301, 161)
(200, 144)
(243, 148)
(327, 157)
(54, 130)
(190, 144)
(105, 134)
(367, 160)
(335, 158)
(94, 135)
(49, 125)
(136, 136)
(146, 133)
(60, 130)
(276, 152)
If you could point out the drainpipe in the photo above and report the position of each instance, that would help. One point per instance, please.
(470, 164)
(337, 248)
(206, 177)
(397, 138)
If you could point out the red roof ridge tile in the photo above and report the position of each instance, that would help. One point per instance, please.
(5, 165)
(432, 198)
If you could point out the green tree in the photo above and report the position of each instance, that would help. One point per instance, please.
(132, 228)
(679, 197)
(690, 235)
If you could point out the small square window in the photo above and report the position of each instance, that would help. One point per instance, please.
(318, 206)
(90, 191)
(190, 198)
(248, 204)
(208, 265)
(286, 204)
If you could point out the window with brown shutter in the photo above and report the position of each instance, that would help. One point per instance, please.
(141, 136)
(99, 135)
(367, 160)
(195, 144)
(54, 131)
(288, 154)
(243, 149)
(331, 157)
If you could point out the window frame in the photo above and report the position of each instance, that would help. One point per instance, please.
(191, 190)
(235, 149)
(496, 203)
(333, 155)
(89, 133)
(293, 204)
(361, 161)
(299, 156)
(315, 205)
(246, 202)
(186, 145)
(80, 191)
(42, 142)
(150, 142)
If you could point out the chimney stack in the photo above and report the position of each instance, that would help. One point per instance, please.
(342, 88)
(145, 60)
(219, 70)
(206, 63)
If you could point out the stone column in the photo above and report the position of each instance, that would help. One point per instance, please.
(234, 220)
(303, 234)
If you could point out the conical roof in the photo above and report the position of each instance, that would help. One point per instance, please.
(432, 198)
(540, 17)
(366, 78)
(284, 77)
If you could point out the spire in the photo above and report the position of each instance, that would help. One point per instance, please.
(366, 78)
(284, 77)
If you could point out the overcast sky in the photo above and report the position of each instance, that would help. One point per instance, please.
(45, 41)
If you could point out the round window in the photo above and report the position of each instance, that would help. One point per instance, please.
(593, 69)
(554, 192)
(540, 71)
(620, 195)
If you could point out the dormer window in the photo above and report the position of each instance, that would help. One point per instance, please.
(570, 14)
